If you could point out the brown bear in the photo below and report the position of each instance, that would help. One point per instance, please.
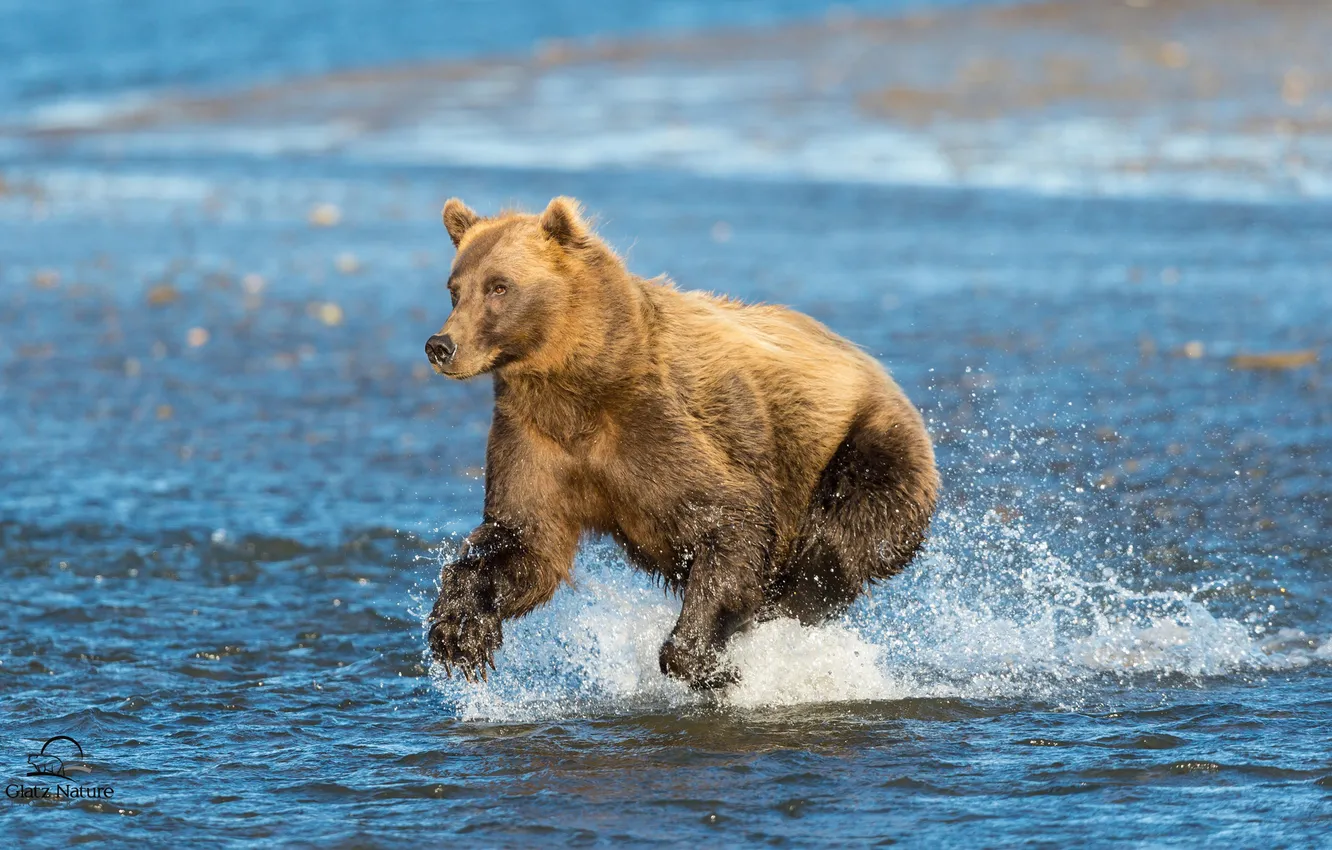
(756, 462)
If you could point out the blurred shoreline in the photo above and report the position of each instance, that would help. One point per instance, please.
(1196, 98)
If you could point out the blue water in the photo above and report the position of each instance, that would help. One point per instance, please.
(228, 479)
(78, 48)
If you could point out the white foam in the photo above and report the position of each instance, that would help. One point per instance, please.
(93, 185)
(592, 650)
(84, 113)
(989, 612)
(1058, 157)
(830, 663)
(739, 123)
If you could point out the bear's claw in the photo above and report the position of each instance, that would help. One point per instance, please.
(466, 639)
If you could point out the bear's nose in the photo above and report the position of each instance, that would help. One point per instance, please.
(441, 348)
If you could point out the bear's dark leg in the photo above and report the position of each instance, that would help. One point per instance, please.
(867, 520)
(498, 574)
(723, 593)
(465, 630)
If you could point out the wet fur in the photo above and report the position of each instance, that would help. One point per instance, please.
(756, 462)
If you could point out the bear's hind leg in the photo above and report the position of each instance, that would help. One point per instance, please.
(722, 595)
(867, 519)
(814, 586)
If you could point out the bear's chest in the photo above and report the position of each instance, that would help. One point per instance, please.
(621, 469)
(651, 494)
(605, 484)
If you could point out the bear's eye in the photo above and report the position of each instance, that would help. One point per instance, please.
(499, 289)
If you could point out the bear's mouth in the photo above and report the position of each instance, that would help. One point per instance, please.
(456, 371)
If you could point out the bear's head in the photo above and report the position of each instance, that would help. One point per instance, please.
(515, 287)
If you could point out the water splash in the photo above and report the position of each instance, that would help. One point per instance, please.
(991, 611)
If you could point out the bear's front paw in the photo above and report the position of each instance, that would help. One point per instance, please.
(701, 669)
(464, 636)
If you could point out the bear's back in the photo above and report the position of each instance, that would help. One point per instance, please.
(771, 340)
(809, 382)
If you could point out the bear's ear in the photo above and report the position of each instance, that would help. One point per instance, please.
(563, 222)
(458, 219)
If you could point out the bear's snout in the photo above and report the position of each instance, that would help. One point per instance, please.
(440, 349)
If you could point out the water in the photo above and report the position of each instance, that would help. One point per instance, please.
(67, 51)
(229, 479)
